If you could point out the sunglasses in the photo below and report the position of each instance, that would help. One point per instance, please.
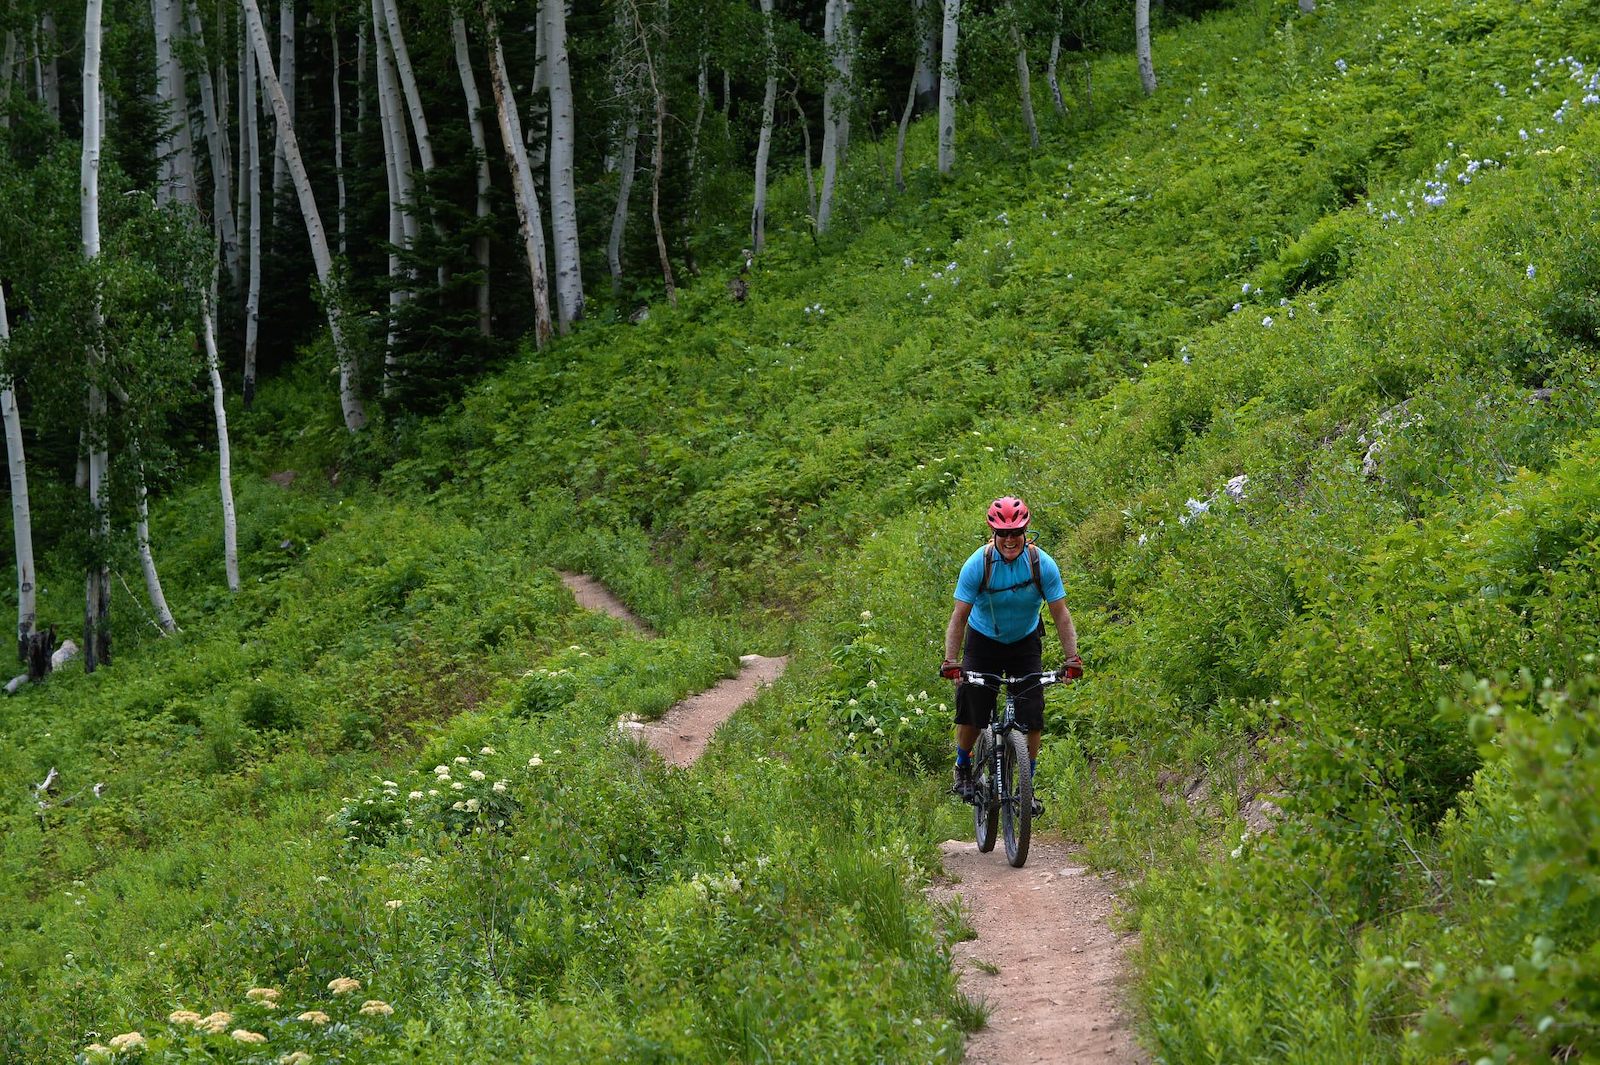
(1010, 534)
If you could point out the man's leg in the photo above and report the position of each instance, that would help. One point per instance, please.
(1033, 743)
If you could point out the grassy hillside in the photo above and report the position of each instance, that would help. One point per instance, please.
(1343, 262)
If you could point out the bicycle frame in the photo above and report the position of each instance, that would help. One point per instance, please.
(999, 797)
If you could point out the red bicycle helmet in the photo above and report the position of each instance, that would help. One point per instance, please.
(1008, 514)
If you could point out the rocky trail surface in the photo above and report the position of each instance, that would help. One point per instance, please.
(1055, 992)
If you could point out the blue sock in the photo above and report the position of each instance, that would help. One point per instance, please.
(1033, 767)
(963, 756)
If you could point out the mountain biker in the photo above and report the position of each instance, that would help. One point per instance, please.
(996, 619)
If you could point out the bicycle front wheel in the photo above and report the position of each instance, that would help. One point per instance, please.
(986, 797)
(1016, 789)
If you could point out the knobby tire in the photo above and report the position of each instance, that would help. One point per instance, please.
(1016, 785)
(985, 802)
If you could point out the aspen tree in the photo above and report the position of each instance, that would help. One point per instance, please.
(923, 12)
(338, 136)
(1050, 74)
(702, 94)
(837, 100)
(286, 79)
(217, 145)
(805, 151)
(174, 147)
(408, 83)
(97, 581)
(8, 66)
(147, 561)
(948, 86)
(527, 197)
(769, 101)
(659, 154)
(625, 86)
(219, 410)
(563, 194)
(921, 74)
(355, 415)
(49, 72)
(480, 147)
(21, 515)
(1024, 82)
(1141, 45)
(419, 120)
(397, 168)
(250, 161)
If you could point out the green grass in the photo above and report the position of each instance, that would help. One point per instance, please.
(1393, 642)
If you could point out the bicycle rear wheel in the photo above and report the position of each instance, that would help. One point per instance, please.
(1016, 789)
(986, 797)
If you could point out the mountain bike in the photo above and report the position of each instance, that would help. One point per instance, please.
(1002, 776)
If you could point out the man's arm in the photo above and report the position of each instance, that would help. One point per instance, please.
(1064, 628)
(956, 631)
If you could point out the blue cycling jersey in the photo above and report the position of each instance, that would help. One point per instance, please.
(1008, 610)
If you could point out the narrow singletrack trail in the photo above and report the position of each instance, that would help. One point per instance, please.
(682, 734)
(592, 595)
(1057, 996)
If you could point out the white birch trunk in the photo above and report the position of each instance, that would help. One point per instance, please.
(355, 415)
(230, 527)
(905, 125)
(769, 103)
(537, 135)
(21, 515)
(408, 82)
(1050, 76)
(188, 191)
(527, 197)
(927, 80)
(1141, 45)
(480, 146)
(286, 75)
(49, 72)
(1024, 82)
(391, 120)
(563, 195)
(805, 142)
(250, 150)
(626, 166)
(948, 86)
(659, 154)
(836, 101)
(97, 584)
(167, 111)
(702, 93)
(397, 168)
(217, 144)
(338, 136)
(147, 562)
(8, 66)
(241, 197)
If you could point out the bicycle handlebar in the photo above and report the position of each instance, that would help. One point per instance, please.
(994, 680)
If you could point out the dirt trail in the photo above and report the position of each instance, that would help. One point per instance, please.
(592, 595)
(684, 731)
(1058, 995)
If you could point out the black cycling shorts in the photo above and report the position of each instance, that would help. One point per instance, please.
(975, 704)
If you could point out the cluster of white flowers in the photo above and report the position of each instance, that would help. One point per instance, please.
(815, 308)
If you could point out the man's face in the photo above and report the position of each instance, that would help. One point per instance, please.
(1009, 542)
